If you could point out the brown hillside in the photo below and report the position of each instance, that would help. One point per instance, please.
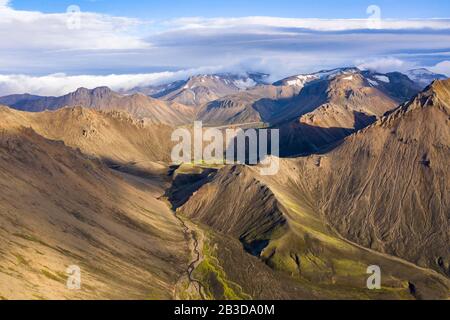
(386, 187)
(112, 136)
(138, 105)
(378, 197)
(329, 110)
(58, 208)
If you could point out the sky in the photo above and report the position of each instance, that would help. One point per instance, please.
(325, 9)
(52, 47)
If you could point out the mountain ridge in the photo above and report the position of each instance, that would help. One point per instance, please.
(60, 208)
(334, 209)
(103, 98)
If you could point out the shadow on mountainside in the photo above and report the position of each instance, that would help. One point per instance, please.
(301, 139)
(185, 183)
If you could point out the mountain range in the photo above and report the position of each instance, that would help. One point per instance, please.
(382, 190)
(311, 110)
(200, 89)
(102, 98)
(87, 180)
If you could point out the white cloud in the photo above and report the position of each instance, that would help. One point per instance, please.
(36, 43)
(442, 67)
(60, 84)
(311, 24)
(57, 84)
(385, 64)
(32, 30)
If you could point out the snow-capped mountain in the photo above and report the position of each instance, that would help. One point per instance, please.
(301, 80)
(203, 88)
(424, 77)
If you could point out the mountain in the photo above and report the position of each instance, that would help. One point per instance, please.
(405, 154)
(95, 188)
(254, 105)
(108, 135)
(61, 208)
(259, 104)
(376, 199)
(329, 86)
(302, 79)
(155, 90)
(289, 99)
(332, 107)
(201, 89)
(102, 98)
(423, 77)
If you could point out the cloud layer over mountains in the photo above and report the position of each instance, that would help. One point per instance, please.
(40, 54)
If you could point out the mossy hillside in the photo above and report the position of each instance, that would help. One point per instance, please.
(214, 279)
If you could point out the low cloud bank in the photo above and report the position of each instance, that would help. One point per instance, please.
(60, 84)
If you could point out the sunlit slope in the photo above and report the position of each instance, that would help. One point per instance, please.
(387, 186)
(114, 136)
(138, 105)
(378, 199)
(58, 208)
(284, 230)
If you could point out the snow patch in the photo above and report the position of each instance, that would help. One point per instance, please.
(301, 80)
(382, 78)
(244, 83)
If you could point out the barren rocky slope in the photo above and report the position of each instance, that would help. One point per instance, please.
(138, 105)
(387, 186)
(310, 231)
(109, 135)
(285, 232)
(58, 208)
(378, 196)
(330, 109)
(201, 89)
(313, 110)
(254, 105)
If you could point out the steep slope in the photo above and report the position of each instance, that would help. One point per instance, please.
(138, 105)
(378, 199)
(251, 106)
(386, 187)
(261, 103)
(274, 220)
(201, 89)
(345, 90)
(256, 219)
(394, 84)
(111, 136)
(330, 109)
(59, 209)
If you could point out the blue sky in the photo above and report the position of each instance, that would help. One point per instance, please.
(121, 44)
(163, 9)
